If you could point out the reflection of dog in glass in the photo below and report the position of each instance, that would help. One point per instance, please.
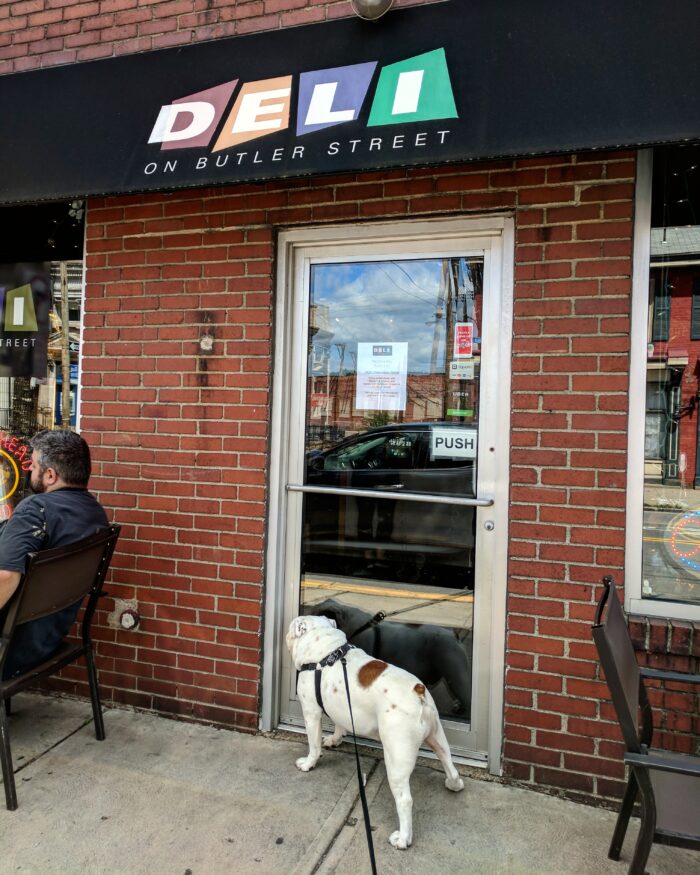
(430, 652)
(388, 704)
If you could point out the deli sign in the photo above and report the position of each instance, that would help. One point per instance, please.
(413, 90)
(432, 84)
(25, 301)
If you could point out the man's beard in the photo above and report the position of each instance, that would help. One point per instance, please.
(37, 486)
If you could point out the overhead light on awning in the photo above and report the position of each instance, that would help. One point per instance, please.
(371, 10)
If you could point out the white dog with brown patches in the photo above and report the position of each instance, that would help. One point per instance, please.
(388, 704)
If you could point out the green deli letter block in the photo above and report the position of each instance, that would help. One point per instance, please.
(415, 90)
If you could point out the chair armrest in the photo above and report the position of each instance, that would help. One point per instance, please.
(655, 761)
(661, 674)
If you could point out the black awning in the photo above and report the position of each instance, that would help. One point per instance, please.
(455, 81)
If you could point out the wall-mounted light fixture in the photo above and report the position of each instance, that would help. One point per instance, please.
(371, 10)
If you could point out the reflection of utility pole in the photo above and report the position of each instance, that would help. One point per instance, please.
(450, 289)
(439, 313)
(339, 381)
(65, 348)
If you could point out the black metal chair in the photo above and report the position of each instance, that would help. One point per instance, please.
(54, 579)
(668, 783)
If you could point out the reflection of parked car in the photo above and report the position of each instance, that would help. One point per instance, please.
(415, 541)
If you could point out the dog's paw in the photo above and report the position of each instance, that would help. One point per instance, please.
(455, 785)
(332, 741)
(398, 841)
(305, 764)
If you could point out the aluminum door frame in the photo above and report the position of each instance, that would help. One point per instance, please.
(492, 235)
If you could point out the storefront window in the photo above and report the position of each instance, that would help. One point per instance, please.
(40, 350)
(671, 527)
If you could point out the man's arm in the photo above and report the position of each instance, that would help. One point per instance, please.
(24, 532)
(8, 584)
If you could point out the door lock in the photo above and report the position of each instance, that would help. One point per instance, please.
(489, 525)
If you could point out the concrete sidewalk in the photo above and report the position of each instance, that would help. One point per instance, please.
(158, 796)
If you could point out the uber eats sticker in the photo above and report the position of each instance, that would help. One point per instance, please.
(452, 443)
(25, 300)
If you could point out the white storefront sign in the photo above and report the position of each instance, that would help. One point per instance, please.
(452, 443)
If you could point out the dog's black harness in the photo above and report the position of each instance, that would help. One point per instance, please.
(318, 667)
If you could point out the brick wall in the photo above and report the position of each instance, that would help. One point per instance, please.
(180, 435)
(570, 378)
(43, 33)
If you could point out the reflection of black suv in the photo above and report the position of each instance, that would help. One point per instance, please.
(413, 541)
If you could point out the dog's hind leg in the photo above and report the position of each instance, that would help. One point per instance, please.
(437, 742)
(399, 766)
(336, 739)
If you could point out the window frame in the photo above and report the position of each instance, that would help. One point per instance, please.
(661, 312)
(639, 330)
(695, 310)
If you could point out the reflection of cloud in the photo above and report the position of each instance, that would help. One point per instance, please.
(379, 302)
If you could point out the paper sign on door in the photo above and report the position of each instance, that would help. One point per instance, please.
(461, 370)
(381, 376)
(464, 336)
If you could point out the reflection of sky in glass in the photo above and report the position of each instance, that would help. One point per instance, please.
(380, 302)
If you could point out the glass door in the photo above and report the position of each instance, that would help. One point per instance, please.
(385, 517)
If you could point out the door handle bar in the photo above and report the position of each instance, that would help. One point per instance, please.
(398, 496)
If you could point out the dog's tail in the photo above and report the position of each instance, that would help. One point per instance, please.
(427, 706)
(428, 711)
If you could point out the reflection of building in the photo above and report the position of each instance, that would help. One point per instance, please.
(428, 397)
(50, 401)
(673, 367)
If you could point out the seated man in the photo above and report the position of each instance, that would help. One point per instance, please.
(60, 512)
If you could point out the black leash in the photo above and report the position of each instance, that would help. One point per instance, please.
(375, 621)
(380, 616)
(363, 795)
(317, 668)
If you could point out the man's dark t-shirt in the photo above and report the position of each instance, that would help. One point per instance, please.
(40, 522)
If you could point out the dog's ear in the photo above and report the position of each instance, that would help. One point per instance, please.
(299, 627)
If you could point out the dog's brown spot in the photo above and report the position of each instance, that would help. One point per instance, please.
(393, 706)
(335, 689)
(370, 671)
(419, 690)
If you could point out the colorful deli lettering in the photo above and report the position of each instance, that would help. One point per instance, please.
(412, 90)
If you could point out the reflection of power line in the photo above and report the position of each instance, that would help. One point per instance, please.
(401, 288)
(353, 308)
(408, 276)
(381, 266)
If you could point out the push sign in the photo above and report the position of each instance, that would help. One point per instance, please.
(452, 443)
